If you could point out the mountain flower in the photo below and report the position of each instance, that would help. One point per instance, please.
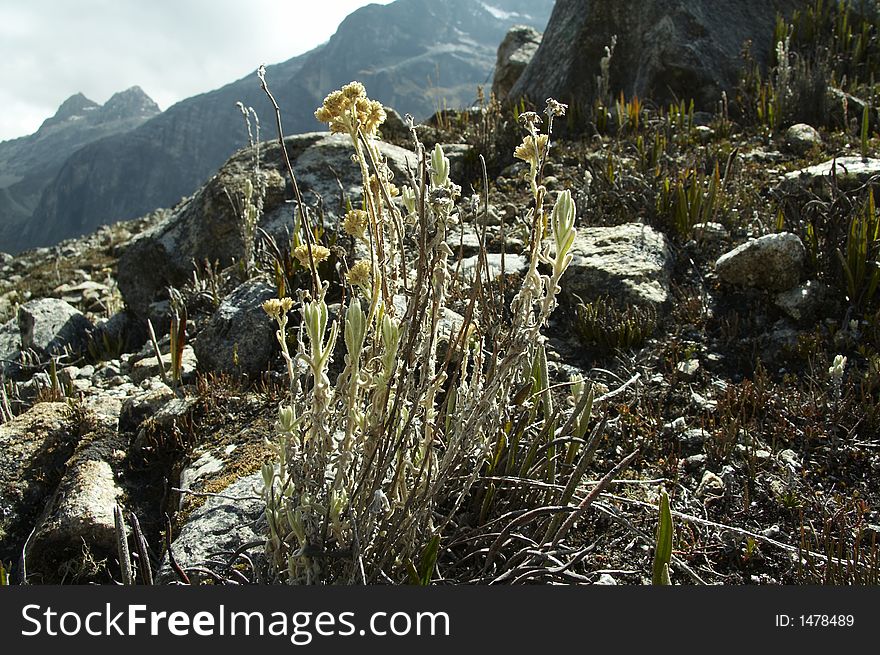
(355, 223)
(348, 109)
(359, 274)
(319, 254)
(526, 150)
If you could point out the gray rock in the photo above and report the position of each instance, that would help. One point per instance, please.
(35, 447)
(704, 133)
(239, 337)
(514, 54)
(139, 407)
(172, 416)
(694, 462)
(693, 440)
(148, 367)
(48, 326)
(450, 321)
(221, 524)
(666, 49)
(843, 107)
(800, 138)
(710, 232)
(122, 332)
(104, 408)
(10, 347)
(803, 301)
(629, 262)
(790, 459)
(512, 264)
(207, 225)
(772, 262)
(846, 172)
(207, 464)
(688, 369)
(394, 129)
(81, 510)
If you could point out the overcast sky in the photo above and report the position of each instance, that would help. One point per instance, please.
(172, 49)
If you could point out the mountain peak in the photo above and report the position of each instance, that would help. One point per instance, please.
(131, 103)
(75, 105)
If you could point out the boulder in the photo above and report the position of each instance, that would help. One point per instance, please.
(81, 510)
(804, 301)
(122, 332)
(628, 262)
(394, 129)
(667, 50)
(771, 262)
(207, 225)
(239, 337)
(223, 524)
(138, 407)
(514, 54)
(35, 446)
(513, 264)
(800, 138)
(48, 326)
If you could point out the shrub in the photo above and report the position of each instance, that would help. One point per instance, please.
(373, 469)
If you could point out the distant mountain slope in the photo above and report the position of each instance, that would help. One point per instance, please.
(414, 55)
(29, 164)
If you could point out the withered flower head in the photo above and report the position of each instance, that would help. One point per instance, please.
(529, 120)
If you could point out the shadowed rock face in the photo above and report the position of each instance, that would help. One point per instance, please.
(666, 49)
(238, 338)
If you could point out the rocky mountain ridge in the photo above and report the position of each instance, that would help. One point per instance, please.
(28, 164)
(388, 47)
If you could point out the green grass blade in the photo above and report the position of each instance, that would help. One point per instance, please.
(663, 550)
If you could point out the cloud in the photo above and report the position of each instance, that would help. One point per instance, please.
(172, 49)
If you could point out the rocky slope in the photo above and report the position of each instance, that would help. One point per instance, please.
(416, 56)
(733, 354)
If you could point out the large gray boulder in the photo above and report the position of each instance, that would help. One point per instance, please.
(514, 54)
(48, 326)
(239, 337)
(666, 49)
(630, 263)
(206, 226)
